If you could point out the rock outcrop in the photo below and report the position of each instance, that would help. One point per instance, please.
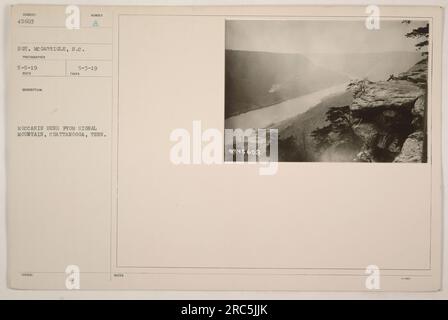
(389, 117)
(417, 74)
(412, 148)
(387, 95)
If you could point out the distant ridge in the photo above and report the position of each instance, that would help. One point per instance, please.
(373, 66)
(256, 80)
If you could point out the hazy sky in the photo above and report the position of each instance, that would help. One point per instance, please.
(324, 36)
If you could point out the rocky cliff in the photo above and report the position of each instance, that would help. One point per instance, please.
(389, 117)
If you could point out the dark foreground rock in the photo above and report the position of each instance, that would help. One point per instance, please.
(412, 149)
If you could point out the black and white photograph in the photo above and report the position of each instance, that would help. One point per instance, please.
(336, 90)
(224, 156)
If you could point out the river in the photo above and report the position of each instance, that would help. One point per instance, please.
(265, 117)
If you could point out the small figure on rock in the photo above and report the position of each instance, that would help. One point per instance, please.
(391, 77)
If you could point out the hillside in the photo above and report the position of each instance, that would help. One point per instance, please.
(255, 80)
(295, 140)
